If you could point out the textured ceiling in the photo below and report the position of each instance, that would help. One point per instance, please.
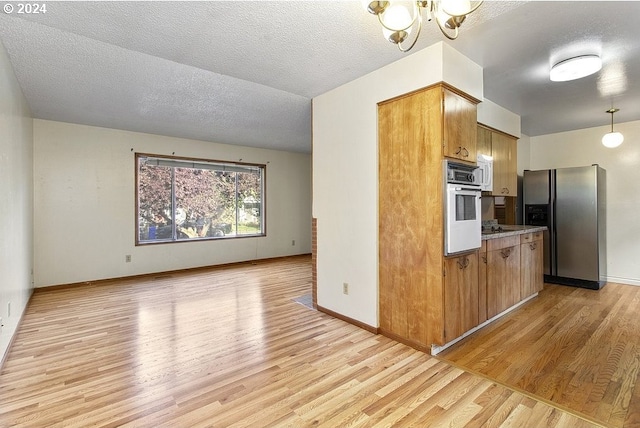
(245, 72)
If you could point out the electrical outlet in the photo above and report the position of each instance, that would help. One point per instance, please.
(345, 288)
(127, 258)
(293, 242)
(8, 309)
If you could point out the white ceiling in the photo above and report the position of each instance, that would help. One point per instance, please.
(245, 72)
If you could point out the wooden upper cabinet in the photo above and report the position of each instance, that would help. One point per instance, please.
(505, 164)
(460, 127)
(483, 145)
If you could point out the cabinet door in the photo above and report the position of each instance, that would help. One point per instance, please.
(503, 279)
(460, 127)
(460, 295)
(484, 141)
(505, 167)
(531, 268)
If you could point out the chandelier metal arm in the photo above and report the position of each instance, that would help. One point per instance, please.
(415, 39)
(455, 36)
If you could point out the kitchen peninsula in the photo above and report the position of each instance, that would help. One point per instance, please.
(426, 299)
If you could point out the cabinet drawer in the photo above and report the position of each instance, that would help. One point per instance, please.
(530, 237)
(499, 243)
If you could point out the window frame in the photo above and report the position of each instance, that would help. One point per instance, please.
(194, 162)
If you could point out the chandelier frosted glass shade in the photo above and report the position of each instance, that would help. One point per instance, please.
(396, 23)
(575, 68)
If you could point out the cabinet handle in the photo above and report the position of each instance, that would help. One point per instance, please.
(533, 246)
(463, 263)
(505, 253)
(484, 259)
(459, 150)
(466, 152)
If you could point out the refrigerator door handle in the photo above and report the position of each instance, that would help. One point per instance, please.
(553, 267)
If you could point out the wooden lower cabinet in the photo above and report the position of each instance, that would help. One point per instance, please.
(460, 295)
(531, 264)
(503, 274)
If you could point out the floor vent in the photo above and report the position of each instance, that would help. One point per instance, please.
(305, 300)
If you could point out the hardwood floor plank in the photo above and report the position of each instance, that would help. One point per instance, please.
(229, 346)
(575, 347)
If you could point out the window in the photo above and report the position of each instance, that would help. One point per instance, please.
(191, 199)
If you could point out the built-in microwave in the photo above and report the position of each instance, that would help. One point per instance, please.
(484, 172)
(462, 209)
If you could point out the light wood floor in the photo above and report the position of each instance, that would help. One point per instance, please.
(230, 347)
(578, 348)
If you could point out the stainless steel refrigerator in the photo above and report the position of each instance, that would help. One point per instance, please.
(571, 203)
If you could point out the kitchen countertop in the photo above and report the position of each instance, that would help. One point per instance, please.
(510, 230)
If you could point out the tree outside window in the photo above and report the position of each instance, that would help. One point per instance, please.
(185, 199)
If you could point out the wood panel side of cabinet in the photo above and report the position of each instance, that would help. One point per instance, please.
(460, 127)
(410, 217)
(460, 295)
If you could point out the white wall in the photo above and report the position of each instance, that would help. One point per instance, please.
(583, 147)
(85, 205)
(16, 202)
(345, 168)
(498, 117)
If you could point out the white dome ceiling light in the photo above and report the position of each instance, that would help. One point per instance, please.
(612, 139)
(575, 68)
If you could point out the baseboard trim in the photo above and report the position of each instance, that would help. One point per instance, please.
(626, 281)
(15, 332)
(48, 288)
(414, 345)
(355, 322)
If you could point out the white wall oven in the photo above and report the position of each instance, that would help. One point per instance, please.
(462, 215)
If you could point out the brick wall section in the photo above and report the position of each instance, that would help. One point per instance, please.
(314, 261)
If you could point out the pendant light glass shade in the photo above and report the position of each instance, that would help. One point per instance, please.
(612, 139)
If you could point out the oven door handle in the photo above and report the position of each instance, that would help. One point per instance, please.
(473, 190)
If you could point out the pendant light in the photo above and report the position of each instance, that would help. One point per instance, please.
(612, 139)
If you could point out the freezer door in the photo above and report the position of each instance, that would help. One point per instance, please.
(538, 196)
(536, 187)
(576, 223)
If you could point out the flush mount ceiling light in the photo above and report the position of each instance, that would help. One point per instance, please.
(400, 18)
(575, 68)
(612, 139)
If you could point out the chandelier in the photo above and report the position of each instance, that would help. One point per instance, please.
(400, 18)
